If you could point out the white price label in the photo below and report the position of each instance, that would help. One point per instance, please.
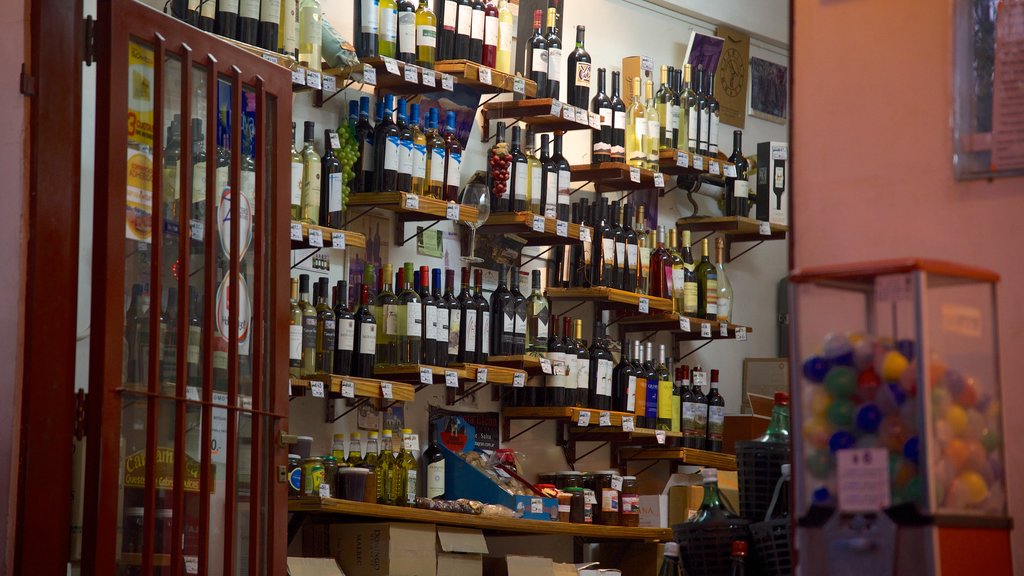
(411, 74)
(562, 228)
(296, 232)
(198, 230)
(318, 388)
(536, 506)
(645, 306)
(583, 419)
(386, 391)
(659, 435)
(519, 85)
(581, 116)
(330, 83)
(545, 366)
(269, 58)
(369, 75)
(705, 330)
(519, 380)
(723, 330)
(391, 65)
(313, 79)
(447, 82)
(616, 482)
(659, 180)
(730, 170)
(568, 113)
(412, 202)
(863, 479)
(485, 75)
(325, 490)
(426, 376)
(556, 108)
(538, 223)
(627, 424)
(634, 174)
(429, 78)
(594, 120)
(585, 233)
(316, 238)
(335, 141)
(452, 211)
(605, 419)
(698, 162)
(764, 229)
(348, 389)
(451, 378)
(299, 76)
(741, 332)
(338, 240)
(682, 160)
(684, 323)
(714, 168)
(481, 375)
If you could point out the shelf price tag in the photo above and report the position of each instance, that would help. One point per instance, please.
(325, 490)
(627, 424)
(411, 75)
(269, 58)
(714, 168)
(659, 180)
(583, 419)
(585, 233)
(299, 76)
(198, 230)
(316, 238)
(659, 435)
(296, 232)
(562, 228)
(604, 419)
(705, 330)
(519, 85)
(764, 229)
(723, 330)
(426, 376)
(556, 108)
(391, 65)
(684, 323)
(330, 83)
(594, 120)
(369, 75)
(634, 174)
(429, 78)
(338, 240)
(348, 389)
(682, 159)
(481, 375)
(545, 366)
(313, 79)
(616, 482)
(645, 306)
(335, 141)
(485, 75)
(317, 387)
(452, 211)
(412, 202)
(581, 116)
(451, 378)
(519, 380)
(741, 332)
(386, 391)
(538, 223)
(567, 113)
(447, 82)
(730, 171)
(698, 162)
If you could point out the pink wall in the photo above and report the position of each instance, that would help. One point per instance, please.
(872, 107)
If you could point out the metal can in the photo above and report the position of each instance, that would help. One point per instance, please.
(312, 475)
(294, 476)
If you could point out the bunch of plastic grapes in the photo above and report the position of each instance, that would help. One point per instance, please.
(347, 154)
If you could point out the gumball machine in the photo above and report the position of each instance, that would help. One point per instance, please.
(898, 443)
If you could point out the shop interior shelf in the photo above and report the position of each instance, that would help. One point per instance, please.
(672, 322)
(675, 162)
(616, 176)
(572, 414)
(610, 296)
(734, 228)
(416, 373)
(690, 456)
(469, 74)
(362, 387)
(329, 236)
(490, 373)
(301, 80)
(528, 364)
(347, 508)
(393, 76)
(540, 114)
(527, 225)
(410, 207)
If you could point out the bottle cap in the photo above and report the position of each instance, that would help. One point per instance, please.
(739, 548)
(356, 435)
(373, 434)
(782, 398)
(387, 433)
(339, 436)
(406, 430)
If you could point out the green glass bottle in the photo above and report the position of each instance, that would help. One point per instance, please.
(385, 312)
(778, 427)
(405, 480)
(309, 323)
(385, 469)
(355, 450)
(707, 285)
(712, 507)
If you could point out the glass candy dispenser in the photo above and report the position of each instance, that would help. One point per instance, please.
(897, 418)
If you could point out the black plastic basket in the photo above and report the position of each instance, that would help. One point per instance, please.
(759, 465)
(705, 547)
(770, 541)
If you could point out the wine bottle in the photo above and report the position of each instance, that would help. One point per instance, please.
(690, 105)
(665, 396)
(619, 267)
(623, 383)
(310, 34)
(738, 559)
(405, 148)
(537, 57)
(294, 332)
(519, 176)
(716, 415)
(498, 164)
(447, 16)
(537, 314)
(689, 303)
(652, 388)
(506, 31)
(636, 129)
(579, 67)
(630, 270)
(703, 119)
(563, 179)
(426, 35)
(195, 337)
(663, 105)
(483, 330)
(199, 171)
(652, 142)
(549, 180)
(639, 387)
(678, 271)
(407, 31)
(433, 466)
(618, 107)
(227, 18)
(248, 21)
(419, 152)
(678, 118)
(309, 323)
(601, 140)
(345, 320)
(724, 301)
(476, 35)
(601, 366)
(387, 40)
(437, 156)
(269, 24)
(326, 330)
(367, 27)
(453, 161)
(579, 253)
(582, 365)
(677, 404)
(604, 247)
(554, 383)
(661, 268)
(330, 186)
(503, 317)
(364, 167)
(644, 242)
(670, 564)
(441, 320)
(519, 305)
(700, 409)
(688, 413)
(388, 139)
(386, 469)
(464, 29)
(490, 48)
(535, 179)
(713, 116)
(296, 183)
(410, 320)
(554, 42)
(386, 316)
(169, 338)
(707, 286)
(454, 316)
(429, 312)
(467, 322)
(737, 206)
(207, 17)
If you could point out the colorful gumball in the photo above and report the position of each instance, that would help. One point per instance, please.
(890, 397)
(817, 432)
(912, 450)
(819, 463)
(821, 496)
(956, 452)
(838, 349)
(818, 400)
(868, 383)
(968, 489)
(908, 381)
(864, 354)
(868, 418)
(841, 381)
(977, 458)
(990, 439)
(976, 425)
(815, 369)
(893, 365)
(968, 396)
(914, 489)
(893, 433)
(841, 440)
(936, 371)
(954, 382)
(956, 417)
(840, 413)
(940, 402)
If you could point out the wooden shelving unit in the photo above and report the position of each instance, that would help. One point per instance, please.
(571, 415)
(527, 226)
(528, 364)
(413, 373)
(495, 374)
(394, 76)
(541, 114)
(347, 508)
(330, 237)
(608, 296)
(410, 207)
(690, 456)
(469, 74)
(734, 228)
(362, 387)
(675, 162)
(671, 323)
(616, 176)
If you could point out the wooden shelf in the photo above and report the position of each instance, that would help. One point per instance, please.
(609, 296)
(528, 364)
(332, 506)
(572, 414)
(302, 79)
(496, 374)
(405, 204)
(541, 114)
(394, 79)
(362, 387)
(522, 224)
(690, 456)
(671, 323)
(351, 239)
(468, 74)
(411, 373)
(615, 176)
(675, 162)
(734, 228)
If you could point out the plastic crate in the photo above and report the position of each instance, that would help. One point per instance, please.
(705, 547)
(771, 541)
(759, 467)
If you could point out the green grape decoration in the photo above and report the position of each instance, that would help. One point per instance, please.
(347, 155)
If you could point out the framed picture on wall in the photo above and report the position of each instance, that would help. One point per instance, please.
(769, 91)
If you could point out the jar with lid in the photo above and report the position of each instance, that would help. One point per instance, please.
(569, 479)
(312, 475)
(547, 478)
(294, 476)
(579, 510)
(564, 506)
(330, 474)
(608, 499)
(629, 502)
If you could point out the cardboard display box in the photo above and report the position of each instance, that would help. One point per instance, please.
(672, 505)
(313, 567)
(385, 549)
(460, 551)
(512, 565)
(773, 182)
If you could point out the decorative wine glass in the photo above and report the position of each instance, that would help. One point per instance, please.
(476, 196)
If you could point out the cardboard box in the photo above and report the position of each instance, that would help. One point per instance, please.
(313, 567)
(632, 67)
(740, 427)
(729, 489)
(460, 551)
(513, 565)
(385, 549)
(773, 182)
(662, 510)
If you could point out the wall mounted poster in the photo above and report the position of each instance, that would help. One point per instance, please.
(731, 80)
(769, 90)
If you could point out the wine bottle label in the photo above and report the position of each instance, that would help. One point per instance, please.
(700, 417)
(478, 25)
(391, 320)
(389, 25)
(392, 147)
(308, 332)
(639, 129)
(370, 22)
(631, 257)
(471, 330)
(689, 298)
(521, 323)
(522, 170)
(198, 182)
(741, 189)
(485, 327)
(678, 278)
(249, 9)
(645, 262)
(195, 335)
(713, 134)
(430, 322)
(582, 373)
(571, 368)
(665, 399)
(620, 253)
(209, 10)
(405, 158)
(435, 479)
(454, 169)
(442, 326)
(651, 399)
(541, 331)
(413, 320)
(712, 296)
(410, 487)
(437, 158)
(536, 179)
(557, 377)
(367, 339)
(654, 129)
(419, 161)
(426, 36)
(454, 328)
(505, 36)
(346, 334)
(539, 60)
(491, 31)
(608, 251)
(692, 136)
(688, 415)
(631, 394)
(716, 422)
(465, 22)
(296, 183)
(508, 325)
(606, 116)
(564, 180)
(724, 306)
(673, 119)
(705, 126)
(451, 11)
(407, 32)
(334, 192)
(583, 74)
(294, 345)
(609, 500)
(229, 6)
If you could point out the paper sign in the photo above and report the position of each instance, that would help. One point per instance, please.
(426, 376)
(452, 211)
(594, 120)
(682, 160)
(616, 482)
(562, 228)
(348, 389)
(634, 174)
(296, 231)
(385, 390)
(369, 75)
(723, 330)
(730, 170)
(698, 162)
(684, 323)
(584, 418)
(330, 84)
(481, 375)
(741, 333)
(313, 79)
(430, 78)
(764, 229)
(198, 230)
(863, 475)
(519, 85)
(451, 378)
(627, 424)
(705, 330)
(318, 388)
(485, 75)
(645, 306)
(545, 366)
(412, 202)
(714, 168)
(411, 75)
(659, 180)
(338, 240)
(556, 108)
(581, 116)
(335, 142)
(699, 378)
(605, 419)
(316, 238)
(391, 65)
(447, 82)
(519, 380)
(568, 113)
(538, 223)
(659, 435)
(585, 233)
(299, 76)
(325, 490)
